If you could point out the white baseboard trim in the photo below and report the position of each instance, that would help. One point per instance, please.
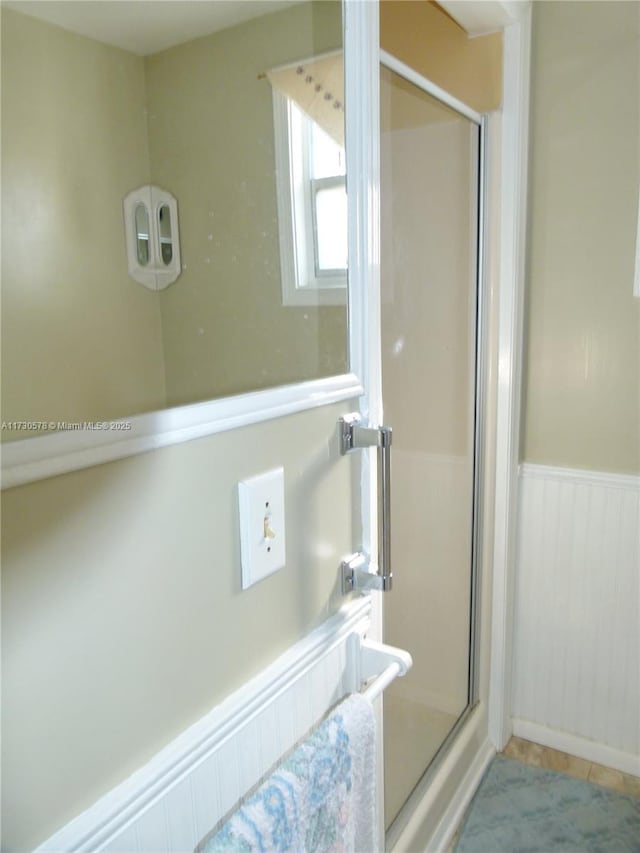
(599, 753)
(450, 821)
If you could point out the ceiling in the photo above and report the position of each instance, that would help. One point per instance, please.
(479, 17)
(146, 26)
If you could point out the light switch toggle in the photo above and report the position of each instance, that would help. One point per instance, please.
(268, 532)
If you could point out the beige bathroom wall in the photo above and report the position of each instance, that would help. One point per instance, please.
(225, 329)
(582, 372)
(421, 34)
(80, 339)
(123, 619)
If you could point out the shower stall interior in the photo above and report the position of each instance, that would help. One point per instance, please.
(431, 261)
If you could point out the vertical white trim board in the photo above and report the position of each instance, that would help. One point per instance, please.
(513, 201)
(576, 649)
(636, 276)
(362, 88)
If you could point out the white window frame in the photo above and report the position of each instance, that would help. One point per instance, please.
(302, 282)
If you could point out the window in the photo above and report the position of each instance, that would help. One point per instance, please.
(312, 208)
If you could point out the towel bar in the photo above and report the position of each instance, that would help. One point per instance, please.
(383, 664)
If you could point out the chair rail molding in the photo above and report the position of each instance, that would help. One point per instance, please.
(31, 459)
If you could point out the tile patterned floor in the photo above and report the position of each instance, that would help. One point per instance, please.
(552, 759)
(523, 808)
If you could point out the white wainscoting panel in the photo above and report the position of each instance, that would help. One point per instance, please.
(171, 803)
(577, 631)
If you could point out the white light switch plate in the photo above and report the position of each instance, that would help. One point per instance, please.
(262, 542)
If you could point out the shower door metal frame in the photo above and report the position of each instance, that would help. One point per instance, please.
(506, 185)
(480, 121)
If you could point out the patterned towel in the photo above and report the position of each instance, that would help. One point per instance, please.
(321, 799)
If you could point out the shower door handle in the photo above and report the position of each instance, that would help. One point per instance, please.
(358, 572)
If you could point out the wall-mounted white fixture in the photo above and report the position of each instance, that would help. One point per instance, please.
(153, 241)
(262, 546)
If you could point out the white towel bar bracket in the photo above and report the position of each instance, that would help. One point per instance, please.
(383, 664)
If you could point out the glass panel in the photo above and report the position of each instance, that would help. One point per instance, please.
(331, 228)
(142, 234)
(327, 157)
(164, 229)
(222, 328)
(429, 182)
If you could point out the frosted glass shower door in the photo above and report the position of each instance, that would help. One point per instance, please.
(429, 200)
